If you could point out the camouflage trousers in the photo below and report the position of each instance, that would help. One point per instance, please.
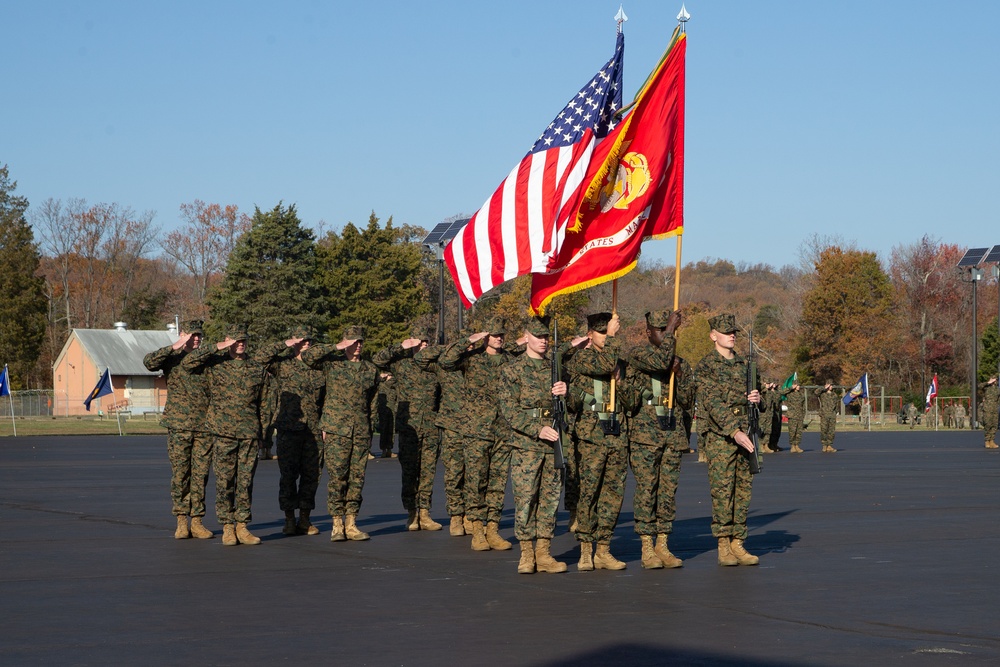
(794, 431)
(235, 462)
(487, 464)
(572, 456)
(298, 462)
(453, 458)
(346, 462)
(418, 455)
(190, 457)
(730, 481)
(537, 485)
(656, 471)
(602, 489)
(989, 420)
(827, 430)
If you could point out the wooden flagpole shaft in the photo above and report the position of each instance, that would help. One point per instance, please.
(614, 311)
(677, 302)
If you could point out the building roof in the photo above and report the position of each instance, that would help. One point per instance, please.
(122, 351)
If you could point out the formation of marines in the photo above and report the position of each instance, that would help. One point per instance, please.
(483, 404)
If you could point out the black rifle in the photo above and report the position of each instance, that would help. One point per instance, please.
(753, 415)
(558, 402)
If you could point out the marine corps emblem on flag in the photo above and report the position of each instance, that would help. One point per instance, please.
(629, 182)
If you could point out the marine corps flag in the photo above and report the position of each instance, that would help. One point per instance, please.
(635, 188)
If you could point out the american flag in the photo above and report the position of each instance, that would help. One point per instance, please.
(931, 394)
(523, 223)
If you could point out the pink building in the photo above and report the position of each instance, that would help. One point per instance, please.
(87, 354)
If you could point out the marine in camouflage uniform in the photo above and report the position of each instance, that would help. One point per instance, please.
(960, 416)
(235, 385)
(654, 451)
(723, 403)
(796, 402)
(448, 418)
(419, 440)
(385, 408)
(770, 418)
(989, 411)
(911, 415)
(603, 456)
(189, 451)
(525, 397)
(299, 392)
(829, 405)
(480, 358)
(351, 383)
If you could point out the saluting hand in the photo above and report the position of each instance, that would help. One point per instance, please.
(476, 337)
(346, 343)
(182, 341)
(225, 344)
(410, 343)
(292, 342)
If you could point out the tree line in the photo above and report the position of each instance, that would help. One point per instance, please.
(838, 312)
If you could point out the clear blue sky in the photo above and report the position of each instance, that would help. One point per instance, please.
(875, 120)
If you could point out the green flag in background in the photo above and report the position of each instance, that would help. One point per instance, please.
(787, 386)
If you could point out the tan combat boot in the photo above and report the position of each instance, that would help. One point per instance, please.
(991, 445)
(586, 563)
(305, 526)
(544, 562)
(467, 525)
(796, 449)
(425, 520)
(527, 563)
(411, 520)
(290, 527)
(663, 553)
(198, 529)
(604, 560)
(337, 534)
(352, 531)
(479, 542)
(701, 456)
(457, 527)
(245, 536)
(650, 560)
(229, 535)
(182, 532)
(742, 556)
(726, 556)
(573, 523)
(493, 537)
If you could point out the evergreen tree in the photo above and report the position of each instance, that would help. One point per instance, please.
(270, 280)
(371, 277)
(990, 354)
(22, 299)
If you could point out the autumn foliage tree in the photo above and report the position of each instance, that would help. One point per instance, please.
(849, 323)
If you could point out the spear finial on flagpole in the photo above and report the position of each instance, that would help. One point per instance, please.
(683, 18)
(620, 17)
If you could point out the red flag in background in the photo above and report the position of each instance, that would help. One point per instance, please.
(636, 188)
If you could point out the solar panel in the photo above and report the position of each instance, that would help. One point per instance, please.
(973, 257)
(444, 232)
(993, 256)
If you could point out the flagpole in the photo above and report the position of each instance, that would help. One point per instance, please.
(10, 397)
(614, 312)
(677, 302)
(114, 398)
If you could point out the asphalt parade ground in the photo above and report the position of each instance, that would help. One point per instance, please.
(887, 552)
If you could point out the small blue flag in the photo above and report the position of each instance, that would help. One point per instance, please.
(103, 388)
(5, 382)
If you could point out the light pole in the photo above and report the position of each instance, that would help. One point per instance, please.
(972, 259)
(435, 242)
